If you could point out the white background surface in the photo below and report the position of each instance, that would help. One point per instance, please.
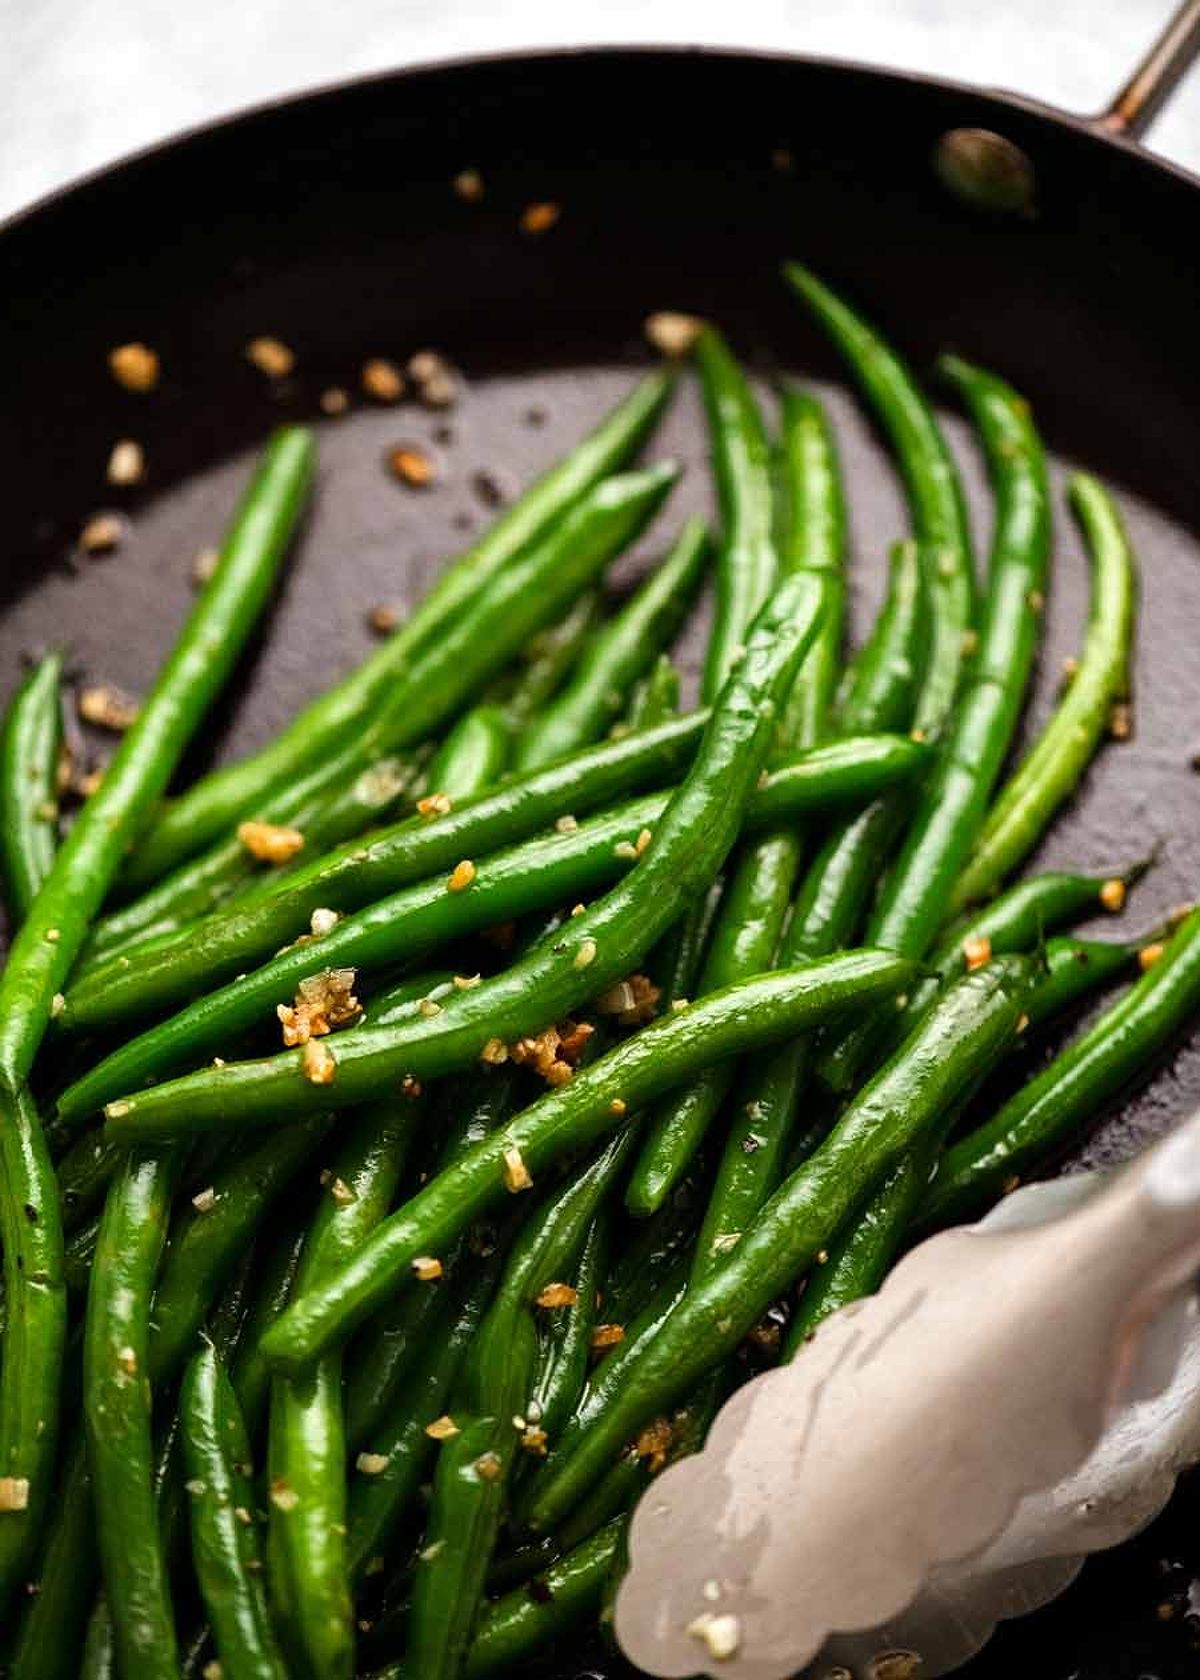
(83, 81)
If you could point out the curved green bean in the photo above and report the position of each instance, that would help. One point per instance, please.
(656, 697)
(591, 952)
(548, 661)
(29, 745)
(741, 457)
(1050, 1110)
(225, 1547)
(117, 1413)
(1051, 770)
(964, 1034)
(513, 1629)
(618, 654)
(215, 804)
(473, 755)
(931, 481)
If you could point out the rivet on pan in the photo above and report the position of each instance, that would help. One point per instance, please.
(985, 170)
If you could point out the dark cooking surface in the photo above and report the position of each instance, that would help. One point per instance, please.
(332, 225)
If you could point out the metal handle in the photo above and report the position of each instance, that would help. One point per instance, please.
(1155, 79)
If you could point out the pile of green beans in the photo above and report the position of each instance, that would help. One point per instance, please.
(627, 1032)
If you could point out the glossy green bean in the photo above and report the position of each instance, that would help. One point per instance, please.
(951, 808)
(52, 1629)
(380, 1496)
(931, 482)
(250, 1372)
(1114, 1053)
(656, 697)
(207, 1244)
(689, 845)
(29, 746)
(618, 654)
(565, 1338)
(117, 1406)
(1051, 770)
(880, 684)
(811, 536)
(216, 803)
(548, 661)
(962, 1037)
(306, 1549)
(573, 1118)
(475, 1465)
(474, 754)
(224, 1533)
(741, 458)
(513, 1629)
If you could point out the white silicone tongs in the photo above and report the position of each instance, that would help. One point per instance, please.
(943, 1455)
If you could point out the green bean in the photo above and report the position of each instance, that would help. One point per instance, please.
(306, 1442)
(335, 803)
(741, 458)
(117, 1412)
(84, 1174)
(52, 1629)
(880, 685)
(967, 1030)
(206, 1248)
(474, 1466)
(743, 943)
(513, 1629)
(566, 967)
(99, 1659)
(565, 1339)
(655, 698)
(858, 1262)
(216, 803)
(574, 1117)
(473, 755)
(811, 536)
(1051, 769)
(48, 941)
(379, 1497)
(951, 809)
(843, 772)
(617, 655)
(1045, 1114)
(224, 1538)
(548, 661)
(748, 928)
(29, 747)
(250, 1373)
(931, 482)
(380, 1363)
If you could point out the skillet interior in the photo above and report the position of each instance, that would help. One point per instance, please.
(330, 222)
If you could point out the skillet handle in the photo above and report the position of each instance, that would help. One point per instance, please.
(1155, 79)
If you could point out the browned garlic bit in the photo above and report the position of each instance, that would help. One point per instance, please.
(383, 619)
(607, 1335)
(558, 1295)
(534, 1440)
(426, 1269)
(553, 1053)
(14, 1493)
(1149, 955)
(204, 1201)
(1120, 722)
(106, 708)
(334, 401)
(372, 1464)
(323, 1001)
(270, 842)
(488, 1466)
(468, 185)
(977, 951)
(412, 466)
(318, 1063)
(135, 366)
(341, 1192)
(203, 566)
(540, 218)
(631, 1002)
(271, 356)
(283, 1497)
(127, 463)
(721, 1635)
(435, 805)
(442, 1429)
(382, 380)
(462, 876)
(516, 1173)
(1112, 895)
(102, 533)
(671, 332)
(654, 1443)
(435, 379)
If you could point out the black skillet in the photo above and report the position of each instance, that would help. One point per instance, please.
(683, 177)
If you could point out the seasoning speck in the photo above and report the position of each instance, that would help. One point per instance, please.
(14, 1493)
(977, 951)
(488, 1466)
(435, 805)
(720, 1635)
(283, 1497)
(516, 1173)
(586, 954)
(270, 842)
(464, 874)
(342, 1193)
(383, 619)
(102, 533)
(318, 1064)
(671, 332)
(107, 708)
(468, 185)
(271, 356)
(127, 463)
(607, 1335)
(467, 982)
(558, 1295)
(442, 1429)
(203, 567)
(322, 922)
(540, 218)
(1150, 954)
(335, 401)
(135, 366)
(1112, 895)
(412, 466)
(372, 1464)
(204, 1201)
(425, 1268)
(382, 380)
